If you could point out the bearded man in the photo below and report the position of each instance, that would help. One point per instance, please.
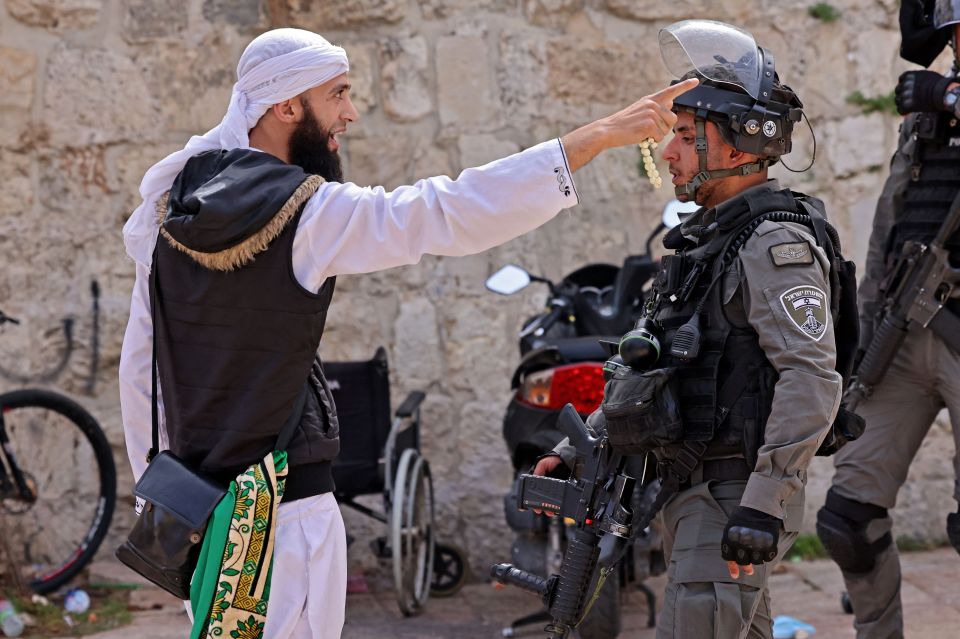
(243, 233)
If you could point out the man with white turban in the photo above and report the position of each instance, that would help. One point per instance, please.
(244, 231)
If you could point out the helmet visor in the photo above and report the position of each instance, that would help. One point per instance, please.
(946, 13)
(717, 51)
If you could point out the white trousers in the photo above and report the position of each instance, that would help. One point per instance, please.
(308, 590)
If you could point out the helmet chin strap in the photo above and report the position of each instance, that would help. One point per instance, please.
(689, 189)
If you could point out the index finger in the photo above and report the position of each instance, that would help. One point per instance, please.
(665, 96)
(734, 569)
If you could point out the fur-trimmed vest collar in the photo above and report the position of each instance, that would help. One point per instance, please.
(225, 207)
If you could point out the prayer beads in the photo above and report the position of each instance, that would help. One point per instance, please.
(646, 152)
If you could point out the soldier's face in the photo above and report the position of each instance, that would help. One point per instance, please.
(681, 154)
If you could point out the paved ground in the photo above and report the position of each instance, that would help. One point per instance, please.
(809, 591)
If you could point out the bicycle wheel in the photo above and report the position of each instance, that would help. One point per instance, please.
(58, 487)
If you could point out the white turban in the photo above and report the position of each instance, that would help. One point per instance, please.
(278, 65)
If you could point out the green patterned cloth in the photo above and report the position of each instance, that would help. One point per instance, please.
(231, 585)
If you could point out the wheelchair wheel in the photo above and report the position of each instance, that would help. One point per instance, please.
(411, 532)
(449, 570)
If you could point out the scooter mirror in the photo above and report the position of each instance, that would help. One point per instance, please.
(508, 280)
(675, 211)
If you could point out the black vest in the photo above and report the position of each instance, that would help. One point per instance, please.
(234, 350)
(935, 181)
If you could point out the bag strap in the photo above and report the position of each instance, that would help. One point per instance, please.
(286, 433)
(154, 409)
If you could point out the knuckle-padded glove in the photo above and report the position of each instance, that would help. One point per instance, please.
(921, 92)
(750, 537)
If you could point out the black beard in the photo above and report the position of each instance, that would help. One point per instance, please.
(309, 148)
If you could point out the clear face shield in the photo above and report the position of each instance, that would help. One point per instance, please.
(946, 13)
(719, 52)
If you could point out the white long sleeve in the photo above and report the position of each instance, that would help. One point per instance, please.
(347, 229)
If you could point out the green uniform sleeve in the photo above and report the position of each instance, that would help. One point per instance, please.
(786, 299)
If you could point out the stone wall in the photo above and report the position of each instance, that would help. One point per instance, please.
(93, 91)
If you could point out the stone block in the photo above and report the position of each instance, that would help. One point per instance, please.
(477, 150)
(17, 71)
(81, 103)
(442, 9)
(877, 49)
(76, 182)
(654, 10)
(417, 361)
(56, 14)
(16, 192)
(551, 13)
(857, 143)
(324, 15)
(130, 162)
(465, 82)
(583, 74)
(145, 20)
(378, 161)
(362, 82)
(521, 74)
(245, 14)
(404, 79)
(191, 86)
(468, 330)
(430, 161)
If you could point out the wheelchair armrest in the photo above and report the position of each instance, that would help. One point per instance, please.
(410, 404)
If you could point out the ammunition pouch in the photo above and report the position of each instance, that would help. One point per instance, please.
(641, 410)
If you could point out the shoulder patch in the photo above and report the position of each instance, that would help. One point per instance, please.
(806, 306)
(791, 253)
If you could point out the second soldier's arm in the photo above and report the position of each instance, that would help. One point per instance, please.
(887, 206)
(807, 394)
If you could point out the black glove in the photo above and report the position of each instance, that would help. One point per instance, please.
(921, 92)
(750, 537)
(953, 530)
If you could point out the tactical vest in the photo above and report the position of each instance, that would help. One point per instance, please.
(725, 394)
(933, 184)
(731, 420)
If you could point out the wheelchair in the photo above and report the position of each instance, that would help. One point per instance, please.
(381, 454)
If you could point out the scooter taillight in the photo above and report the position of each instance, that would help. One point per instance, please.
(554, 388)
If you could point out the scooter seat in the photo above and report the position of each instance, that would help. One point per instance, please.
(579, 349)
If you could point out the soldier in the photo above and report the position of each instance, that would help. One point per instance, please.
(924, 376)
(744, 307)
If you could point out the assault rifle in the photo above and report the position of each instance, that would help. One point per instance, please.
(598, 502)
(915, 291)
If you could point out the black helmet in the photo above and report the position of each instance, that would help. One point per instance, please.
(923, 28)
(739, 91)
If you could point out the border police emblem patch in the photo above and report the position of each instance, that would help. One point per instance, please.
(806, 306)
